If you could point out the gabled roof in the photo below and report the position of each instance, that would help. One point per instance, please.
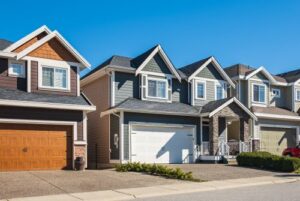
(260, 70)
(50, 35)
(291, 76)
(195, 68)
(28, 37)
(144, 58)
(4, 44)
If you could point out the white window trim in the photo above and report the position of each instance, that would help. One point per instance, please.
(160, 80)
(296, 99)
(279, 92)
(53, 65)
(223, 89)
(196, 89)
(10, 72)
(252, 92)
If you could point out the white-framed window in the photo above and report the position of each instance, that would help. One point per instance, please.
(157, 88)
(297, 95)
(200, 90)
(220, 91)
(16, 68)
(276, 93)
(54, 77)
(259, 93)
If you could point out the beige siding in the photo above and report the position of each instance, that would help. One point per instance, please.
(251, 82)
(297, 103)
(98, 128)
(278, 101)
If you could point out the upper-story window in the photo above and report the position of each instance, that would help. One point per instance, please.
(55, 77)
(259, 93)
(220, 91)
(16, 68)
(200, 90)
(276, 93)
(298, 95)
(157, 88)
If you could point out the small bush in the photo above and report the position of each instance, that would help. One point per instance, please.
(265, 160)
(154, 169)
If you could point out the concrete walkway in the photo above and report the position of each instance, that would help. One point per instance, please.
(161, 190)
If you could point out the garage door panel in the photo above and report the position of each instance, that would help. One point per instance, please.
(35, 147)
(275, 140)
(161, 144)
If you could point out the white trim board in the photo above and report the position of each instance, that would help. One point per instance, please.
(218, 68)
(277, 116)
(169, 64)
(34, 104)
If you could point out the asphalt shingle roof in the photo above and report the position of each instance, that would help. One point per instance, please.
(140, 105)
(10, 94)
(4, 44)
(191, 68)
(212, 105)
(273, 110)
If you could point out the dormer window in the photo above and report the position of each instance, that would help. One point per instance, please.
(200, 90)
(259, 93)
(16, 69)
(157, 88)
(54, 78)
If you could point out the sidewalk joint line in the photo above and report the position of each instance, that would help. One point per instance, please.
(125, 193)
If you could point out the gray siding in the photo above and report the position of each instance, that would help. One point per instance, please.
(149, 118)
(157, 65)
(244, 92)
(126, 86)
(210, 94)
(297, 103)
(180, 91)
(289, 98)
(210, 72)
(114, 130)
(259, 76)
(281, 101)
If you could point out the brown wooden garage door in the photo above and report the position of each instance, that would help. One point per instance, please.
(35, 147)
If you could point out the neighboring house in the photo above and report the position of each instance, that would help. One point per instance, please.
(42, 112)
(149, 111)
(275, 100)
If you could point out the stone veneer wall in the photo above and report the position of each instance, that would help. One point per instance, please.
(80, 151)
(255, 145)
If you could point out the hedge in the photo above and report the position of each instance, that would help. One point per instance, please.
(154, 169)
(265, 160)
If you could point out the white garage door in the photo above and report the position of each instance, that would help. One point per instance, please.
(151, 144)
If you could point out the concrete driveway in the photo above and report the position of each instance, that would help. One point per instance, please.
(39, 183)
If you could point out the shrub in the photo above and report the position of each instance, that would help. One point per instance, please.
(265, 160)
(154, 169)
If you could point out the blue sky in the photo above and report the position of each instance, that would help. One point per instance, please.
(257, 33)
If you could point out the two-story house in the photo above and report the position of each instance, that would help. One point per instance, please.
(43, 123)
(275, 100)
(149, 111)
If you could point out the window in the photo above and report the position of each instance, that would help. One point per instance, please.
(259, 93)
(54, 77)
(297, 95)
(16, 69)
(200, 90)
(157, 88)
(276, 93)
(219, 92)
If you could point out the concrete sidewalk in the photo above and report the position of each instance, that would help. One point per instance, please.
(161, 190)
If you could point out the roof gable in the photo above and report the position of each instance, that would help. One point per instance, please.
(145, 58)
(157, 65)
(263, 71)
(210, 72)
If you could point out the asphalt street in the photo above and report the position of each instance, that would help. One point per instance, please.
(273, 192)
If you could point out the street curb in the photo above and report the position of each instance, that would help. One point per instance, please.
(163, 190)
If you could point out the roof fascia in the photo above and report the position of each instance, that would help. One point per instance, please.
(169, 64)
(23, 40)
(266, 73)
(62, 41)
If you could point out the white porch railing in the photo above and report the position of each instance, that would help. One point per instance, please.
(205, 148)
(244, 147)
(223, 149)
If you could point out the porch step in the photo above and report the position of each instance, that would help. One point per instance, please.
(231, 161)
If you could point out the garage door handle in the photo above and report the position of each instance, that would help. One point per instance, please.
(25, 149)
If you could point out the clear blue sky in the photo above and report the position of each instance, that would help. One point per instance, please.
(252, 32)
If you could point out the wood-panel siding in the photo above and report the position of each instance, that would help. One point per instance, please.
(98, 93)
(53, 49)
(34, 82)
(7, 81)
(30, 42)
